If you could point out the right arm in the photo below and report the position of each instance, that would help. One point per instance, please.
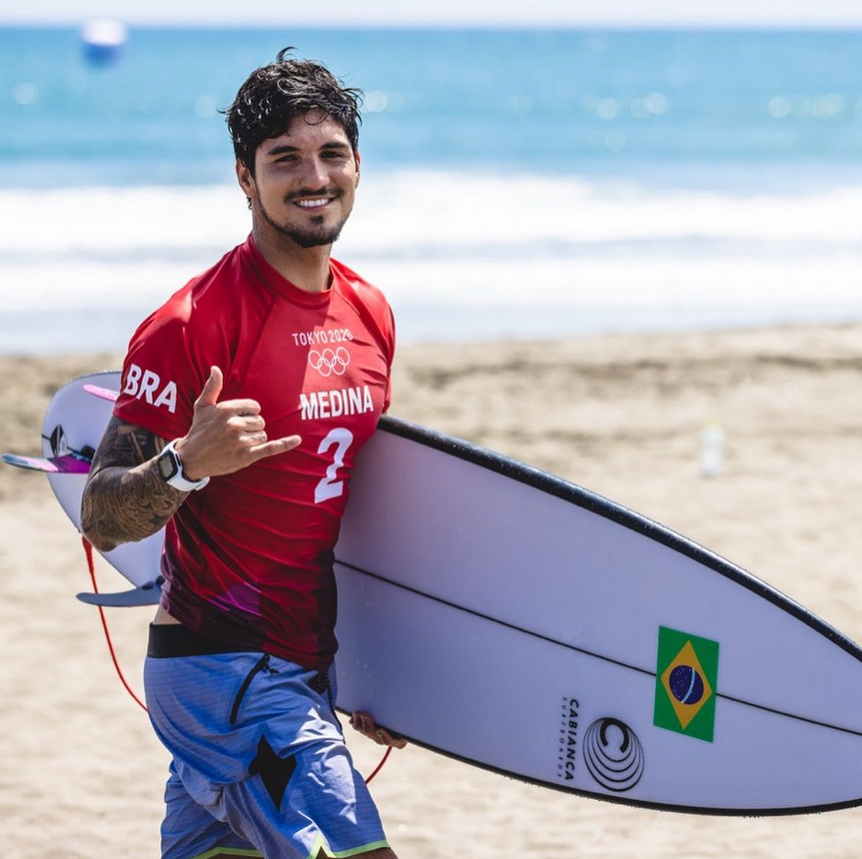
(126, 499)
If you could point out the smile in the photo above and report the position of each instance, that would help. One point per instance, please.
(314, 204)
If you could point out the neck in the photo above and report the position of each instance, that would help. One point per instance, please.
(307, 268)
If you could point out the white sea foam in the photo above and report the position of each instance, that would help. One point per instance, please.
(600, 251)
(417, 211)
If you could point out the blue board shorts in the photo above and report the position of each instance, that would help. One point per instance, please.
(259, 765)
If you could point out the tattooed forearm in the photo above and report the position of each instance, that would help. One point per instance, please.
(126, 499)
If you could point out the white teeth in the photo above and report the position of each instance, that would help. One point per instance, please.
(312, 204)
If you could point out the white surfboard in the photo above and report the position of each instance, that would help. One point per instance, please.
(74, 423)
(505, 617)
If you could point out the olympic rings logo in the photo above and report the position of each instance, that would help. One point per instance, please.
(328, 361)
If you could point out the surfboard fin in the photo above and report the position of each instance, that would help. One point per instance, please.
(145, 595)
(66, 464)
(103, 393)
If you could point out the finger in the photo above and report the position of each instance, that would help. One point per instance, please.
(365, 725)
(246, 423)
(385, 738)
(240, 407)
(210, 393)
(275, 447)
(372, 734)
(362, 722)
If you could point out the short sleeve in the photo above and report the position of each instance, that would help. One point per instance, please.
(390, 339)
(163, 374)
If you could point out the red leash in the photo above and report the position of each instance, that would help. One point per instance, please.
(88, 550)
(380, 765)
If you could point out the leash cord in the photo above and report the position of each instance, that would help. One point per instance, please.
(380, 765)
(88, 551)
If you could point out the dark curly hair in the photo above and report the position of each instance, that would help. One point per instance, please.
(273, 95)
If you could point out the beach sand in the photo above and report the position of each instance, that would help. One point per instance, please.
(82, 774)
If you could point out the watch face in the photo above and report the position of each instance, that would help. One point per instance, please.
(167, 464)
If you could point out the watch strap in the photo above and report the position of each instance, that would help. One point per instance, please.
(179, 480)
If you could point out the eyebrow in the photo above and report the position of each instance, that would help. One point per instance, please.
(285, 148)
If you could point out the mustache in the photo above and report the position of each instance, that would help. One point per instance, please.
(314, 194)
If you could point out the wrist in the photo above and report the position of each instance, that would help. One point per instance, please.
(191, 470)
(173, 470)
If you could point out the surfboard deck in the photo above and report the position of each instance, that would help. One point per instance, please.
(518, 622)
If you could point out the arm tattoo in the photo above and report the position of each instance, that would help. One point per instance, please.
(126, 499)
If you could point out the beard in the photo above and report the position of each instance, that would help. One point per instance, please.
(312, 235)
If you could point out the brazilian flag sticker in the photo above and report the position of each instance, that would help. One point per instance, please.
(685, 683)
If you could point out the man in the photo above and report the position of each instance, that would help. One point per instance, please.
(244, 401)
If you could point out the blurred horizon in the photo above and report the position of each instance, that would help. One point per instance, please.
(480, 27)
(76, 23)
(449, 13)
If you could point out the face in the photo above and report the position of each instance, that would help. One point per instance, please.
(304, 182)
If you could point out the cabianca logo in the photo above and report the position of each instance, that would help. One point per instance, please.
(329, 361)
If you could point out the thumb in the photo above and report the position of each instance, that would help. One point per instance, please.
(212, 389)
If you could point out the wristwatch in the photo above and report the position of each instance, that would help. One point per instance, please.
(171, 469)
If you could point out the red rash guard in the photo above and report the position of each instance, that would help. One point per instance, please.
(248, 559)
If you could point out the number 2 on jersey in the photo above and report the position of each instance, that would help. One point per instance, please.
(330, 486)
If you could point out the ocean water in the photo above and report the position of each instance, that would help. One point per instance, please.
(515, 183)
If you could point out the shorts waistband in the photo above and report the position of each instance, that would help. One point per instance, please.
(168, 640)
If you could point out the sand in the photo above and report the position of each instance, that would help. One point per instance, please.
(82, 774)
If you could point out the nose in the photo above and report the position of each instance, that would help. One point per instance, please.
(314, 174)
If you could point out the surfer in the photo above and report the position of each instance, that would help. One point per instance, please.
(214, 435)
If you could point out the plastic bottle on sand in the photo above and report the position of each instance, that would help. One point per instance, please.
(711, 449)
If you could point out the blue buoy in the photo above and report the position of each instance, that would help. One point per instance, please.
(103, 40)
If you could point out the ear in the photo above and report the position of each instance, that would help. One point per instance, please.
(358, 163)
(246, 180)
